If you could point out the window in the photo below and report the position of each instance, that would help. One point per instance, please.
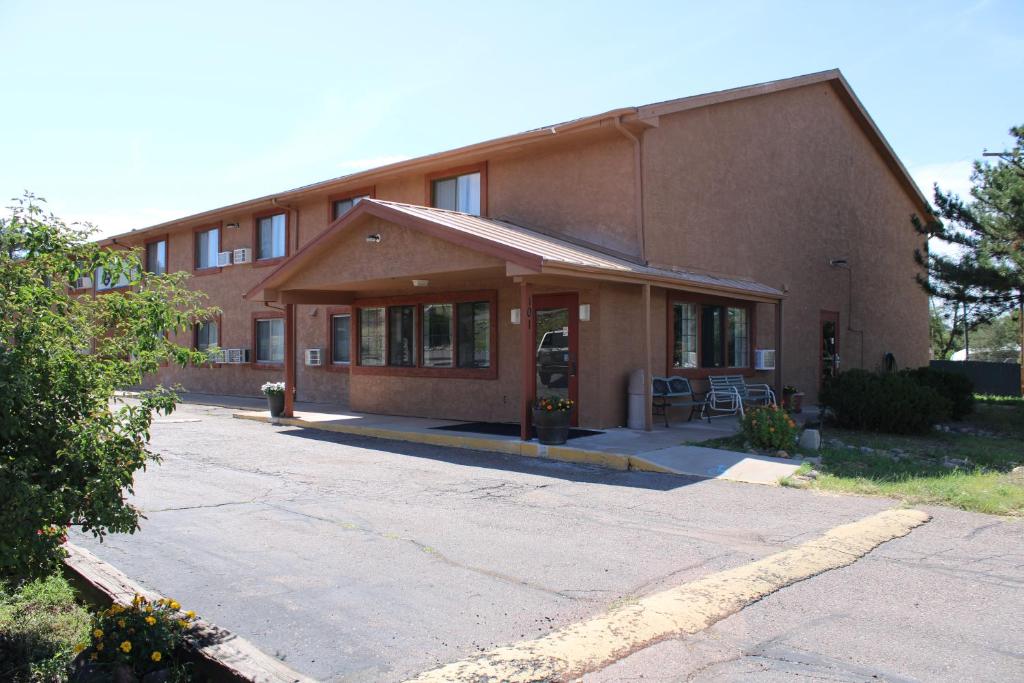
(271, 234)
(207, 246)
(156, 257)
(206, 335)
(105, 280)
(710, 336)
(684, 322)
(270, 340)
(371, 336)
(437, 335)
(341, 206)
(341, 331)
(474, 334)
(402, 336)
(457, 193)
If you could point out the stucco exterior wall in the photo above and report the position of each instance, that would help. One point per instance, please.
(774, 187)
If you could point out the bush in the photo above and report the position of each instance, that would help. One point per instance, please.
(897, 404)
(770, 428)
(956, 388)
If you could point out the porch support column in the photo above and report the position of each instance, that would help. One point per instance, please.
(648, 364)
(289, 359)
(528, 359)
(778, 351)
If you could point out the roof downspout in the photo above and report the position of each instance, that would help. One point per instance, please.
(638, 186)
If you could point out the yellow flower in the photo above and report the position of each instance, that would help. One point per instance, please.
(137, 599)
(120, 623)
(97, 633)
(149, 609)
(182, 623)
(126, 646)
(190, 614)
(79, 648)
(151, 620)
(174, 604)
(156, 656)
(116, 609)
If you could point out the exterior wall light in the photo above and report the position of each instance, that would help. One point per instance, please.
(420, 283)
(515, 316)
(231, 225)
(374, 238)
(585, 312)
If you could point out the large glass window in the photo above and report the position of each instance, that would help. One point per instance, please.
(206, 335)
(342, 206)
(270, 340)
(156, 257)
(437, 335)
(341, 329)
(207, 246)
(684, 321)
(402, 336)
(371, 336)
(271, 236)
(474, 320)
(711, 355)
(739, 338)
(458, 193)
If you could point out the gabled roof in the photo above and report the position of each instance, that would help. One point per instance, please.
(641, 114)
(534, 251)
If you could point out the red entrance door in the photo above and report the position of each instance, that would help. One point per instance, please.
(556, 340)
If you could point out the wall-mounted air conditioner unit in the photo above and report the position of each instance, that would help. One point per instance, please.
(223, 258)
(764, 359)
(313, 357)
(234, 356)
(243, 255)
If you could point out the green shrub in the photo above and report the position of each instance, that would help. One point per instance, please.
(770, 428)
(897, 404)
(956, 388)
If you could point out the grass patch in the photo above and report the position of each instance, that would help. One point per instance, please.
(40, 624)
(916, 469)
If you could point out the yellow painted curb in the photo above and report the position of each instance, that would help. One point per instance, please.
(614, 461)
(590, 645)
(641, 465)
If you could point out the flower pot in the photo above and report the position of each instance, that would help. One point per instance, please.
(796, 402)
(552, 426)
(276, 404)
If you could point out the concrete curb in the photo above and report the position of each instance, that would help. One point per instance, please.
(222, 656)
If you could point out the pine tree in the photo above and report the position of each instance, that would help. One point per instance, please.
(986, 274)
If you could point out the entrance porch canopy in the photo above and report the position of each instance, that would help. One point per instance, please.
(528, 255)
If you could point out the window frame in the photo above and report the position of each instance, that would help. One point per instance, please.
(206, 270)
(419, 300)
(266, 365)
(328, 362)
(369, 191)
(258, 262)
(156, 239)
(700, 301)
(455, 172)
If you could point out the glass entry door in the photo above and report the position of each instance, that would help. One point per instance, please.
(829, 354)
(556, 340)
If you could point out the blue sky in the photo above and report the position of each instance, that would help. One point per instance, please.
(131, 113)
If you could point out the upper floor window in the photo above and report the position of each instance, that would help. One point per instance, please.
(207, 247)
(457, 193)
(340, 207)
(271, 236)
(156, 257)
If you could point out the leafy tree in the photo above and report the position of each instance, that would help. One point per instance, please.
(69, 448)
(986, 275)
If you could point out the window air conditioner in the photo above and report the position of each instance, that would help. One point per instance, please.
(313, 357)
(243, 255)
(223, 258)
(764, 359)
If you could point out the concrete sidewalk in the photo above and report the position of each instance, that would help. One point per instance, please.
(661, 450)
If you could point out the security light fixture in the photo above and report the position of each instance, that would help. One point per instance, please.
(231, 225)
(374, 238)
(421, 283)
(838, 262)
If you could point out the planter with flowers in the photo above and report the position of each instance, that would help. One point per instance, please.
(551, 418)
(138, 643)
(792, 399)
(274, 391)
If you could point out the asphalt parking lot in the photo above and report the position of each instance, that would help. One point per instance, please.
(355, 559)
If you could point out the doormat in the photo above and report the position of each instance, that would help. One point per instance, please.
(505, 429)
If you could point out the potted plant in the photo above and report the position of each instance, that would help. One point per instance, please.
(551, 417)
(274, 392)
(792, 399)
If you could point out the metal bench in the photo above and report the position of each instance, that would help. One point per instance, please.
(674, 392)
(729, 393)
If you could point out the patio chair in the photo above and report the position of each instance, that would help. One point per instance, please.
(674, 392)
(729, 394)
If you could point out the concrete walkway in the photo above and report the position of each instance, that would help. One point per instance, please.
(665, 450)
